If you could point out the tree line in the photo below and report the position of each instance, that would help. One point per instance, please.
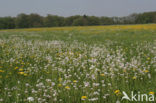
(35, 20)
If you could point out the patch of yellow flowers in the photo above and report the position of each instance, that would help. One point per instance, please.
(23, 73)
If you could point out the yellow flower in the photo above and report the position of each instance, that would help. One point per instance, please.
(16, 68)
(75, 81)
(59, 85)
(67, 87)
(22, 63)
(60, 79)
(145, 71)
(102, 75)
(148, 58)
(25, 74)
(0, 76)
(151, 93)
(84, 97)
(134, 77)
(0, 66)
(21, 73)
(117, 92)
(21, 69)
(1, 71)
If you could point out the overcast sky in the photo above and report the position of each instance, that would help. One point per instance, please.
(74, 7)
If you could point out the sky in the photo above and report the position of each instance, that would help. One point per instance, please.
(76, 7)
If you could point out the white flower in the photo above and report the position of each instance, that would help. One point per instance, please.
(149, 75)
(48, 80)
(117, 101)
(86, 84)
(93, 99)
(96, 93)
(1, 100)
(30, 99)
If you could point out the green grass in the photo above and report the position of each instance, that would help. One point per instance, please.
(61, 66)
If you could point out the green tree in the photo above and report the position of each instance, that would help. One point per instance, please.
(68, 21)
(7, 23)
(53, 20)
(81, 21)
(106, 21)
(22, 21)
(35, 20)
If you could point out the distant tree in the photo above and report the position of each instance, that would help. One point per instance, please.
(116, 20)
(93, 20)
(35, 20)
(147, 17)
(7, 23)
(68, 21)
(81, 21)
(53, 20)
(106, 21)
(132, 18)
(154, 19)
(22, 21)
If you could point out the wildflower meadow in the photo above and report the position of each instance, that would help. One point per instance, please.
(92, 64)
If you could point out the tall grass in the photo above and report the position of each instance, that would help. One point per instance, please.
(82, 65)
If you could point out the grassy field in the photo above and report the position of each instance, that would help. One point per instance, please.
(78, 64)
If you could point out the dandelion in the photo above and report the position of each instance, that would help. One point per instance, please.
(134, 77)
(117, 92)
(75, 81)
(22, 73)
(84, 97)
(21, 69)
(102, 75)
(67, 87)
(148, 58)
(152, 93)
(59, 85)
(145, 71)
(25, 74)
(1, 71)
(22, 63)
(60, 79)
(16, 68)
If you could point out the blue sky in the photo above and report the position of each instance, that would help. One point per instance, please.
(76, 7)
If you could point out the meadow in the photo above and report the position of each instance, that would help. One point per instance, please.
(92, 64)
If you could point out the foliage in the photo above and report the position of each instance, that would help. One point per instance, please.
(35, 20)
